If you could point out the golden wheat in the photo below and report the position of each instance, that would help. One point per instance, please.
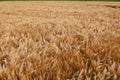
(59, 41)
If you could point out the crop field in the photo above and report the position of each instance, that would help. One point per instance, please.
(59, 40)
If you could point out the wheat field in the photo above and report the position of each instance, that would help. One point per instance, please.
(59, 40)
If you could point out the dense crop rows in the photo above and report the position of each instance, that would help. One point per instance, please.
(59, 41)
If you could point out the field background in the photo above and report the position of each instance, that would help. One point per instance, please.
(48, 40)
(60, 0)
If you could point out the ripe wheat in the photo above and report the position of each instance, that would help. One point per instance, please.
(59, 41)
